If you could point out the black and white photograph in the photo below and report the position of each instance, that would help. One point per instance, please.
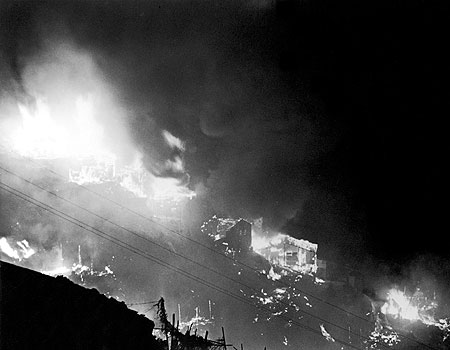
(224, 175)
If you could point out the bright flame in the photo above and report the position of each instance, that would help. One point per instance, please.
(165, 188)
(47, 136)
(79, 137)
(7, 249)
(416, 308)
(24, 250)
(283, 250)
(400, 306)
(326, 334)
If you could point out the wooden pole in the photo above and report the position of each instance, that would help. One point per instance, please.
(172, 331)
(224, 341)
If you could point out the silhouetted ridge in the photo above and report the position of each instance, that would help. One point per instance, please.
(43, 312)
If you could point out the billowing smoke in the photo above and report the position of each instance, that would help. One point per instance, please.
(190, 69)
(193, 88)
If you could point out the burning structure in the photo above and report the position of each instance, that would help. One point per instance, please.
(234, 234)
(296, 254)
(238, 236)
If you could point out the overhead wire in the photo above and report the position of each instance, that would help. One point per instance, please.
(170, 251)
(121, 206)
(149, 257)
(203, 245)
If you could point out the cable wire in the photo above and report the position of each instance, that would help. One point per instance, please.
(205, 246)
(172, 252)
(149, 257)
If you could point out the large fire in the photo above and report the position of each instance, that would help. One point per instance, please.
(78, 137)
(42, 134)
(402, 311)
(414, 308)
(283, 250)
(72, 113)
(400, 306)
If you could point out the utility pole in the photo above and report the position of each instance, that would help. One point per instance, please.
(172, 331)
(224, 341)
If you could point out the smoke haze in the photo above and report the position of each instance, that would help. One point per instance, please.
(302, 114)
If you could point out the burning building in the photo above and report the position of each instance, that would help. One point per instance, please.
(283, 250)
(234, 234)
(239, 236)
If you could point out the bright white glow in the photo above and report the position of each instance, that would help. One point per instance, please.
(400, 306)
(58, 271)
(169, 188)
(283, 250)
(76, 116)
(7, 249)
(260, 242)
(24, 250)
(326, 334)
(47, 136)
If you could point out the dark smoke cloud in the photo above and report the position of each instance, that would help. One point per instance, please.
(208, 74)
(312, 111)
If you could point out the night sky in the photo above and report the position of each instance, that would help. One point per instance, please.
(326, 118)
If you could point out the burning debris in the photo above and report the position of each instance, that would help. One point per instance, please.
(382, 334)
(400, 314)
(325, 333)
(232, 234)
(417, 308)
(82, 274)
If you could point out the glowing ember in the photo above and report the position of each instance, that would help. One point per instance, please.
(326, 334)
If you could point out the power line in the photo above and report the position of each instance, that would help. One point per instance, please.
(204, 246)
(193, 240)
(128, 246)
(147, 256)
(170, 251)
